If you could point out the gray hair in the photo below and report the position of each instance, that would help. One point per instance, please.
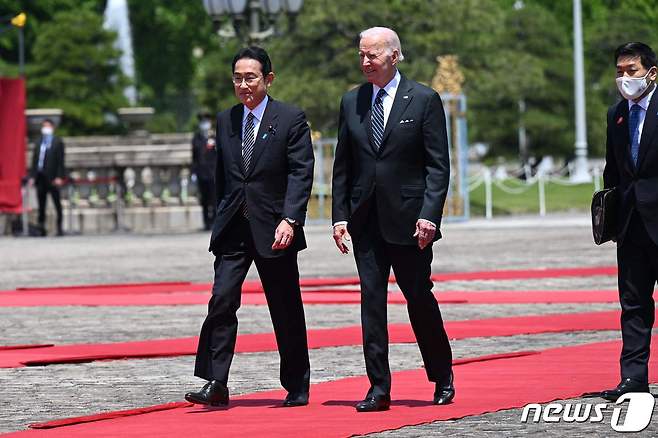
(389, 37)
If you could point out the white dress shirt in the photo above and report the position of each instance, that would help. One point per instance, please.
(387, 101)
(43, 149)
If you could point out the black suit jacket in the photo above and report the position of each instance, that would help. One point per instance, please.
(637, 187)
(53, 163)
(278, 183)
(409, 174)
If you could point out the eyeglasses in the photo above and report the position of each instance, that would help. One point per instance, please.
(371, 56)
(250, 80)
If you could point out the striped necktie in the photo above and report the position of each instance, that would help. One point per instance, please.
(248, 141)
(378, 118)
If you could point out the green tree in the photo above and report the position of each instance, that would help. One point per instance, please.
(164, 37)
(76, 68)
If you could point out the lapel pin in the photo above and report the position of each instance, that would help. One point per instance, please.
(405, 97)
(620, 120)
(264, 136)
(271, 129)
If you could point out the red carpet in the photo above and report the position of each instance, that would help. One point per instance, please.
(255, 285)
(24, 346)
(318, 338)
(553, 374)
(334, 296)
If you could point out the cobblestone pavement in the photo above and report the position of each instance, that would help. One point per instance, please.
(42, 393)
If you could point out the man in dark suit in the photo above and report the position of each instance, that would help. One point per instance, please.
(204, 157)
(48, 172)
(390, 180)
(264, 176)
(632, 168)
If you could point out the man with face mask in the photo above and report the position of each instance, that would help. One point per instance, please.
(48, 172)
(204, 157)
(632, 168)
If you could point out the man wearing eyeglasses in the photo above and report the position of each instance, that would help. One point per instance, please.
(390, 181)
(263, 177)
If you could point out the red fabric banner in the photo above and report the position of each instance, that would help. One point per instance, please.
(12, 143)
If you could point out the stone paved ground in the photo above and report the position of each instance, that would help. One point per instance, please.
(43, 393)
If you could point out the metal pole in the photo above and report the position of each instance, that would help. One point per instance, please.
(542, 195)
(254, 21)
(26, 204)
(523, 139)
(21, 52)
(581, 173)
(488, 197)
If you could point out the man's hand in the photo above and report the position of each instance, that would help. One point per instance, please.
(340, 233)
(425, 231)
(283, 235)
(58, 182)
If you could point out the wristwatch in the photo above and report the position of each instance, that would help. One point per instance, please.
(290, 221)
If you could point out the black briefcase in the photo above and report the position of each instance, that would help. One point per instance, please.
(604, 215)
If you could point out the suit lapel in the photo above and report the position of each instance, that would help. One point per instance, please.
(622, 136)
(402, 100)
(235, 136)
(364, 109)
(649, 129)
(264, 135)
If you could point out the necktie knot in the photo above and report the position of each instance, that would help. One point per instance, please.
(380, 95)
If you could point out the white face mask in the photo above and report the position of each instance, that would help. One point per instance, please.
(632, 88)
(204, 126)
(47, 130)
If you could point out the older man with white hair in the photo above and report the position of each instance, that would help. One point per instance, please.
(390, 181)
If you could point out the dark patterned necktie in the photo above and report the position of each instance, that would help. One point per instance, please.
(378, 118)
(248, 142)
(634, 131)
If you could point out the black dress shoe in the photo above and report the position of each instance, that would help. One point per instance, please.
(374, 403)
(296, 399)
(444, 391)
(625, 386)
(213, 393)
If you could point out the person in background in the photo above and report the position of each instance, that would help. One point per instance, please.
(48, 172)
(204, 157)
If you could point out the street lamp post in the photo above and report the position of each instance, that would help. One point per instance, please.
(249, 20)
(580, 172)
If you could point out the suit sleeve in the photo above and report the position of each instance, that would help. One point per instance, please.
(610, 171)
(341, 175)
(300, 169)
(437, 160)
(61, 163)
(195, 153)
(220, 181)
(35, 159)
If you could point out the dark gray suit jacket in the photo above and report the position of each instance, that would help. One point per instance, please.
(408, 176)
